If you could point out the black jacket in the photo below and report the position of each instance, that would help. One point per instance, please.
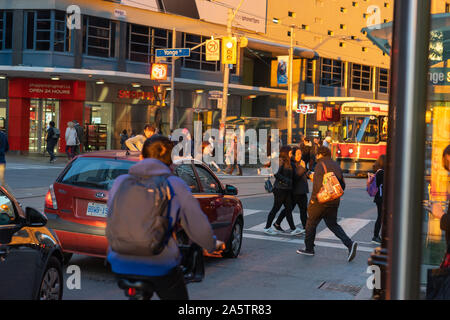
(379, 178)
(284, 178)
(319, 172)
(300, 184)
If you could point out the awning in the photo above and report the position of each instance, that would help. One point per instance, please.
(278, 49)
(381, 34)
(127, 78)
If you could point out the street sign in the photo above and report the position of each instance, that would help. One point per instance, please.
(215, 94)
(305, 109)
(164, 53)
(212, 50)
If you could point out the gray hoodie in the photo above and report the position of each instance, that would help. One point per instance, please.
(193, 221)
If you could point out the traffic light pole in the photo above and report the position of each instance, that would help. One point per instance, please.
(226, 74)
(172, 81)
(289, 96)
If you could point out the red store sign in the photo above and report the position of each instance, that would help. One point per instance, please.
(47, 89)
(130, 94)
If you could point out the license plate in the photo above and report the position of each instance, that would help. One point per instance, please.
(97, 210)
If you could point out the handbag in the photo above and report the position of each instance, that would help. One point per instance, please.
(268, 185)
(331, 187)
(438, 284)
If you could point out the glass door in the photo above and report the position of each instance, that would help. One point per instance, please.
(42, 111)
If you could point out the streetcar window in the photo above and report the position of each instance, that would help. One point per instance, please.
(346, 129)
(384, 126)
(366, 129)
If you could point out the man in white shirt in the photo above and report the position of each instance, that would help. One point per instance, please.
(135, 143)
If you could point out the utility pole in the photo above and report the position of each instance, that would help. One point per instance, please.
(172, 82)
(226, 73)
(289, 96)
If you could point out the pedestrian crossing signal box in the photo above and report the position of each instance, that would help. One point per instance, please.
(229, 50)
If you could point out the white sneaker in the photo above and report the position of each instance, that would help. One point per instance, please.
(297, 231)
(270, 231)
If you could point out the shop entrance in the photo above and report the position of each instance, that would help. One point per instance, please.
(42, 111)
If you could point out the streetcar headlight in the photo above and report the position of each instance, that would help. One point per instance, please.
(368, 151)
(350, 150)
(339, 151)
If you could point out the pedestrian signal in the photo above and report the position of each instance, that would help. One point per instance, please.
(229, 52)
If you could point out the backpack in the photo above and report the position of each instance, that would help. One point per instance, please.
(138, 221)
(331, 187)
(372, 188)
(56, 133)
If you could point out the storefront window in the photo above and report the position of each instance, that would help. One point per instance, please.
(97, 119)
(437, 181)
(3, 114)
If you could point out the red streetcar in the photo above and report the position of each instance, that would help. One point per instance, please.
(362, 136)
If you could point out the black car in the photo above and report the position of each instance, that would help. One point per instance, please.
(31, 260)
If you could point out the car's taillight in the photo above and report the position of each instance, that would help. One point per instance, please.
(50, 199)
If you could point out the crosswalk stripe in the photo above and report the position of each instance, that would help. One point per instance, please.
(350, 225)
(248, 212)
(299, 241)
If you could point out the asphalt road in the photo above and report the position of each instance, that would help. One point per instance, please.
(268, 266)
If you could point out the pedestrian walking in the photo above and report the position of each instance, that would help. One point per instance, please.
(123, 137)
(314, 148)
(300, 188)
(379, 180)
(53, 135)
(327, 142)
(135, 143)
(4, 148)
(129, 202)
(71, 140)
(207, 150)
(282, 192)
(306, 152)
(326, 211)
(80, 137)
(232, 153)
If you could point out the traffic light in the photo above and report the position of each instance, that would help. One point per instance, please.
(229, 50)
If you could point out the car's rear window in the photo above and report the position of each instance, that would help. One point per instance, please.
(96, 173)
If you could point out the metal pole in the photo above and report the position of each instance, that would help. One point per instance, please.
(226, 73)
(289, 100)
(226, 79)
(289, 96)
(172, 81)
(405, 176)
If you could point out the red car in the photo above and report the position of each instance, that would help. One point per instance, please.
(76, 203)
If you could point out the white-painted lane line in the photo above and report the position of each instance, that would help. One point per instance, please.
(299, 241)
(248, 212)
(351, 226)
